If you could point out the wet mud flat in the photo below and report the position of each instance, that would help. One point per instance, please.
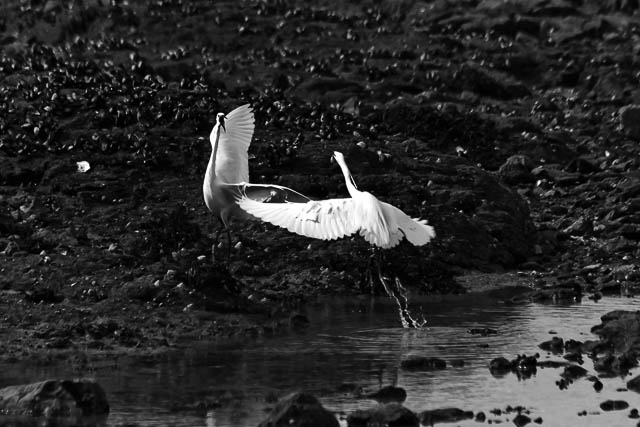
(508, 125)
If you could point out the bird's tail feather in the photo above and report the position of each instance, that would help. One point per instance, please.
(417, 231)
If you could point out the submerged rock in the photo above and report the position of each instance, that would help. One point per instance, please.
(521, 420)
(419, 363)
(482, 331)
(299, 409)
(573, 372)
(523, 366)
(389, 394)
(634, 384)
(389, 414)
(554, 345)
(500, 366)
(55, 398)
(614, 405)
(444, 415)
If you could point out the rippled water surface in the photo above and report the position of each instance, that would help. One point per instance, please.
(361, 342)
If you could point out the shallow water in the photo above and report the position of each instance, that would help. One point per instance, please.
(362, 343)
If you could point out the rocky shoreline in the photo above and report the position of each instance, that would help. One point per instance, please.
(508, 125)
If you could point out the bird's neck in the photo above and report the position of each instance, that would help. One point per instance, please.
(211, 168)
(351, 184)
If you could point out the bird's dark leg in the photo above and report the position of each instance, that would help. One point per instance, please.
(369, 280)
(398, 292)
(223, 227)
(228, 246)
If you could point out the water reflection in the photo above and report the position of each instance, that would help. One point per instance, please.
(361, 343)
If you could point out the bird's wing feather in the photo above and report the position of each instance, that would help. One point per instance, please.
(232, 158)
(326, 219)
(265, 193)
(417, 231)
(374, 220)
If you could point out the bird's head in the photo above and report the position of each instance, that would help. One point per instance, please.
(220, 118)
(337, 156)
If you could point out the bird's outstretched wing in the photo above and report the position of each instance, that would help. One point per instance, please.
(232, 158)
(417, 231)
(325, 219)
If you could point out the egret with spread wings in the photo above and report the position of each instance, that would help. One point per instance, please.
(380, 223)
(227, 174)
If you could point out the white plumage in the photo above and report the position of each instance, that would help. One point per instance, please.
(232, 162)
(227, 174)
(379, 223)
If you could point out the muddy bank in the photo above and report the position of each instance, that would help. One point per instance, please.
(497, 121)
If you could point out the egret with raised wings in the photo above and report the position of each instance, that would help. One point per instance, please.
(380, 223)
(227, 174)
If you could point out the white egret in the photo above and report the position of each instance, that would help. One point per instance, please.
(380, 223)
(227, 173)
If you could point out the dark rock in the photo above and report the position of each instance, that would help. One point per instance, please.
(480, 417)
(574, 357)
(55, 398)
(604, 363)
(525, 366)
(570, 291)
(634, 414)
(143, 288)
(582, 165)
(626, 6)
(299, 409)
(298, 321)
(44, 295)
(630, 119)
(573, 372)
(521, 420)
(597, 296)
(634, 384)
(555, 173)
(579, 227)
(516, 170)
(500, 365)
(389, 394)
(597, 385)
(554, 364)
(456, 363)
(490, 82)
(419, 363)
(389, 414)
(555, 345)
(327, 89)
(444, 415)
(350, 388)
(482, 331)
(621, 330)
(614, 405)
(199, 408)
